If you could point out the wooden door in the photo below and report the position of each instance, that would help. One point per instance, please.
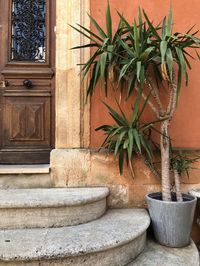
(26, 81)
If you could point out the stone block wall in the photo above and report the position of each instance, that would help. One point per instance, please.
(74, 167)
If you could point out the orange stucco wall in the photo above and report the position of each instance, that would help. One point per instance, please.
(185, 127)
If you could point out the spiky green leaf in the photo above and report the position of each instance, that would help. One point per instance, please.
(137, 139)
(170, 62)
(163, 50)
(164, 28)
(153, 29)
(169, 22)
(103, 59)
(98, 28)
(136, 39)
(120, 121)
(109, 22)
(181, 61)
(84, 34)
(139, 65)
(130, 147)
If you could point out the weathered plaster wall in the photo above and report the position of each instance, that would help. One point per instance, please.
(87, 168)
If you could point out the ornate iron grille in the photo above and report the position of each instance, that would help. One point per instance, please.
(28, 30)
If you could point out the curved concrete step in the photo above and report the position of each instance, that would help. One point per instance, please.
(155, 254)
(114, 239)
(56, 207)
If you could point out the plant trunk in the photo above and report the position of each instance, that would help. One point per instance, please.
(177, 186)
(165, 144)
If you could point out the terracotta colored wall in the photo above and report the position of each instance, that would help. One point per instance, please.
(185, 128)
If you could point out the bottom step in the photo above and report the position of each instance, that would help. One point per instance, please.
(156, 255)
(113, 240)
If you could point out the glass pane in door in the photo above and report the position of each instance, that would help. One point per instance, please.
(28, 30)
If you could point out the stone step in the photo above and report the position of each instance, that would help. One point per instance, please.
(114, 239)
(25, 176)
(55, 207)
(156, 255)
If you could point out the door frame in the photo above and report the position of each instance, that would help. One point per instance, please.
(72, 115)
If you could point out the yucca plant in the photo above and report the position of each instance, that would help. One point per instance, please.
(141, 55)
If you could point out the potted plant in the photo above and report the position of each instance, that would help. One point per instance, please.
(148, 60)
(172, 220)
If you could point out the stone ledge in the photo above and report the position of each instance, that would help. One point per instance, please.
(25, 169)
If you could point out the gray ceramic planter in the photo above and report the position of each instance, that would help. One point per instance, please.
(172, 221)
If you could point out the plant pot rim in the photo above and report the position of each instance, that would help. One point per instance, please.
(190, 198)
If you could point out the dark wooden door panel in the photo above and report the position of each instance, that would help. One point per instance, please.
(26, 121)
(26, 83)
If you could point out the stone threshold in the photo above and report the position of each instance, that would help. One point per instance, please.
(25, 169)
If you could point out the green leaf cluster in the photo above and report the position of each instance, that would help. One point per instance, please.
(128, 138)
(182, 162)
(135, 49)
